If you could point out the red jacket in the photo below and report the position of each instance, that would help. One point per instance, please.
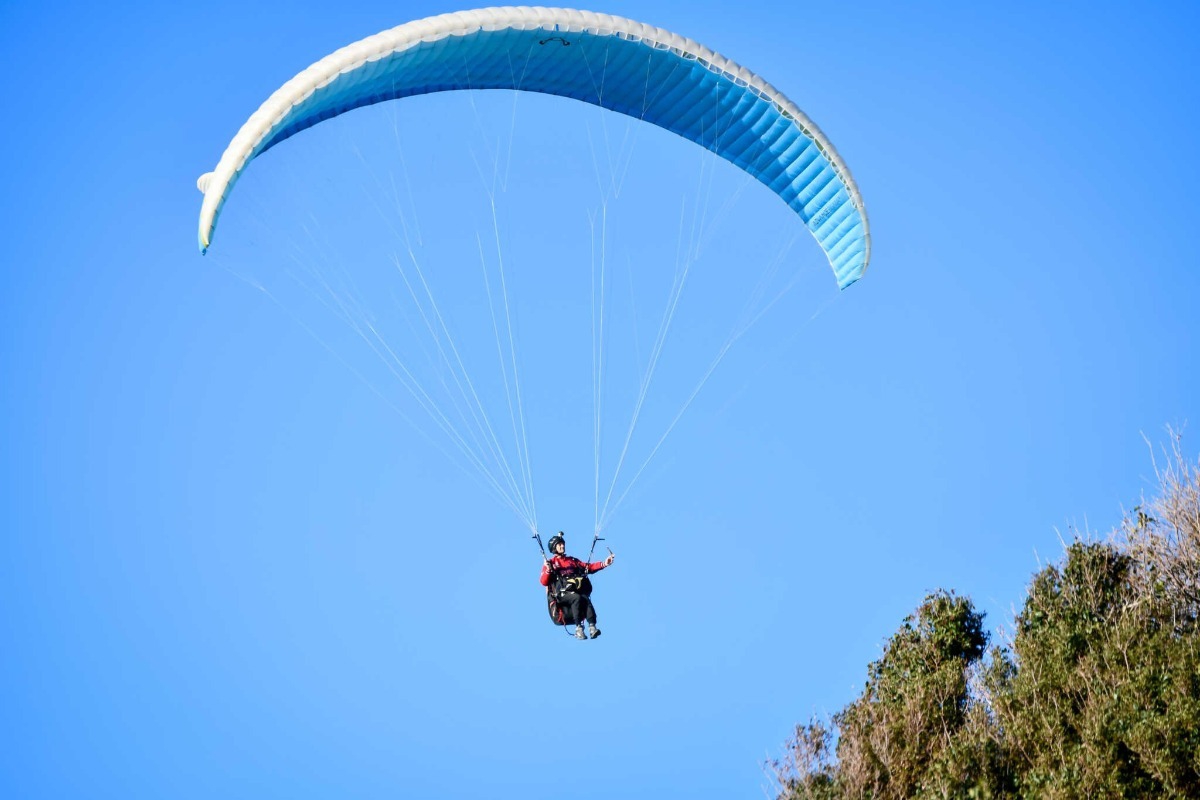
(569, 565)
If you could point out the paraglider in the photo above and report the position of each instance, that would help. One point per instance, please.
(617, 64)
(568, 588)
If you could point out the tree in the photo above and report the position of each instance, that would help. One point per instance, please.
(915, 731)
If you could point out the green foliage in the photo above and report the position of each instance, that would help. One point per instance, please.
(1097, 694)
(915, 731)
(902, 729)
(1099, 698)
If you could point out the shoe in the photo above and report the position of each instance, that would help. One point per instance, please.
(594, 632)
(579, 632)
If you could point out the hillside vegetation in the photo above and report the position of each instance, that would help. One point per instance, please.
(1095, 693)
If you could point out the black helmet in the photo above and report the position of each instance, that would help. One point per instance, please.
(555, 540)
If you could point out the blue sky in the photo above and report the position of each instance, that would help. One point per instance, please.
(230, 568)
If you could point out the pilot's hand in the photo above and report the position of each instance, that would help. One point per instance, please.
(610, 558)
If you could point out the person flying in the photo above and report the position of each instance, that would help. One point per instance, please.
(568, 588)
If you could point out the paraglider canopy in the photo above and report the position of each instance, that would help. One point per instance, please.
(616, 63)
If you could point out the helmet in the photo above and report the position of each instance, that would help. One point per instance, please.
(555, 541)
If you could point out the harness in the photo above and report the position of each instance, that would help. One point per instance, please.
(571, 578)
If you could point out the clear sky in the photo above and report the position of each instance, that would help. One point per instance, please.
(230, 568)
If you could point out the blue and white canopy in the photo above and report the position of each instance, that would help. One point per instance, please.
(612, 62)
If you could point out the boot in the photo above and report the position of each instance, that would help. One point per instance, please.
(593, 631)
(579, 632)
